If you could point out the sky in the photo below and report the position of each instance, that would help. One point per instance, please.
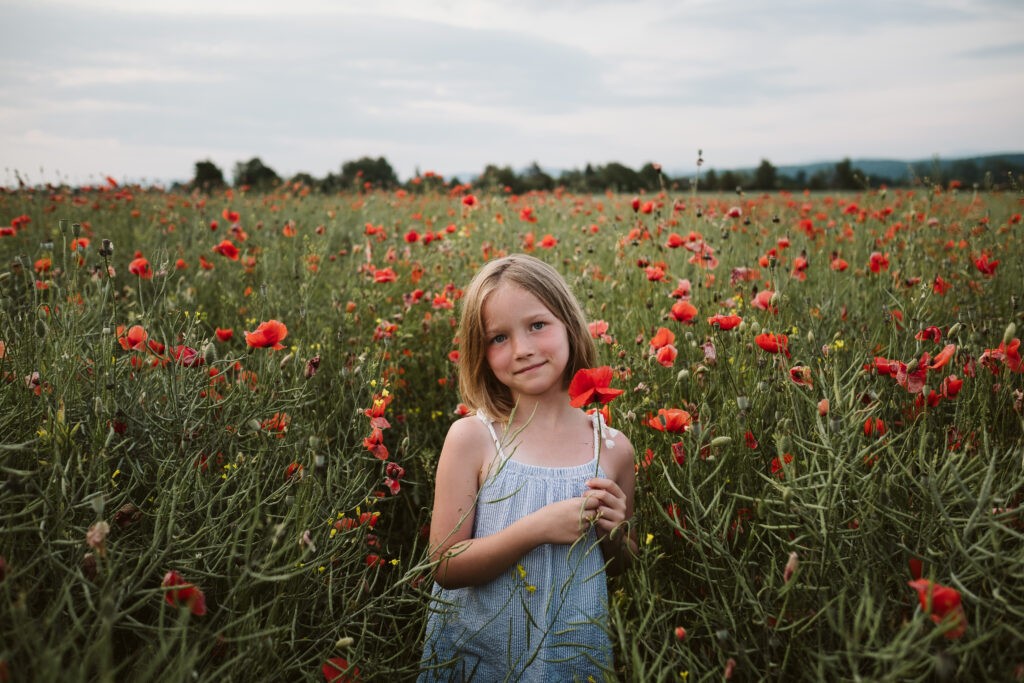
(140, 90)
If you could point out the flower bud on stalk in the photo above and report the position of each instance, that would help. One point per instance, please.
(1009, 332)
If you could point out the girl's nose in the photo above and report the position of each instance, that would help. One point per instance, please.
(521, 346)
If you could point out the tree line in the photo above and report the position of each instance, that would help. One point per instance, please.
(369, 173)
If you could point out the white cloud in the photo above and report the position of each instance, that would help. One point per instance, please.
(153, 87)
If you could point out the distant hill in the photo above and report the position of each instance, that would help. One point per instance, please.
(901, 170)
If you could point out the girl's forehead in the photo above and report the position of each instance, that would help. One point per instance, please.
(510, 299)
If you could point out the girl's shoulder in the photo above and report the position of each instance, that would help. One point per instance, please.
(470, 434)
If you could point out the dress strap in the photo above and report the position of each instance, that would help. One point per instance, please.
(494, 435)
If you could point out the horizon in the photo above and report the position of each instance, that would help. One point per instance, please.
(140, 92)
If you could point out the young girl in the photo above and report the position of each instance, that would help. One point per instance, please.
(532, 496)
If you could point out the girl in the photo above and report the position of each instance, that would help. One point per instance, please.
(530, 510)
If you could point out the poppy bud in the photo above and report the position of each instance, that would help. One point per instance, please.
(680, 633)
(89, 566)
(209, 353)
(954, 330)
(1009, 332)
(721, 441)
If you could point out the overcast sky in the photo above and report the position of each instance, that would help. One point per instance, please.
(141, 90)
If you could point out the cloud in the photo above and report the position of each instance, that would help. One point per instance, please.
(454, 86)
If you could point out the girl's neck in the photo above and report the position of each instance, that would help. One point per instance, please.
(541, 413)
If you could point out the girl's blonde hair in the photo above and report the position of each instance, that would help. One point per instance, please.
(480, 389)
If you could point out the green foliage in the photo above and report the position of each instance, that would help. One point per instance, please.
(208, 177)
(190, 448)
(255, 174)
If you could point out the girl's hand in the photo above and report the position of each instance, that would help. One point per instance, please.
(611, 509)
(567, 520)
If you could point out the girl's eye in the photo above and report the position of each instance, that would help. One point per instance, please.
(538, 325)
(498, 338)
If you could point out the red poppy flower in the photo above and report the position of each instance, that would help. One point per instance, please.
(724, 322)
(268, 335)
(134, 339)
(799, 271)
(140, 266)
(597, 328)
(773, 343)
(931, 332)
(227, 249)
(943, 605)
(801, 375)
(592, 384)
(655, 273)
(683, 311)
(673, 420)
(384, 275)
(943, 357)
(187, 356)
(878, 262)
(776, 465)
(951, 386)
(663, 337)
(224, 334)
(874, 426)
(884, 366)
(182, 593)
(231, 216)
(838, 264)
(548, 241)
(763, 300)
(666, 355)
(338, 670)
(985, 266)
(469, 200)
(913, 379)
(940, 286)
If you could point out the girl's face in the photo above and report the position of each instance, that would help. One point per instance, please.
(527, 346)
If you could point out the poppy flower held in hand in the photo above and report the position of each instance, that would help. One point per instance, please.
(268, 335)
(590, 385)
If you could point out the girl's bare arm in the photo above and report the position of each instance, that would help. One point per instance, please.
(466, 561)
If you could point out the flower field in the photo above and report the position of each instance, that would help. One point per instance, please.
(221, 415)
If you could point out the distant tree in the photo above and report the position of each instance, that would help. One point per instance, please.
(208, 177)
(710, 181)
(729, 181)
(256, 175)
(497, 178)
(766, 177)
(650, 177)
(846, 177)
(534, 178)
(377, 172)
(620, 178)
(819, 180)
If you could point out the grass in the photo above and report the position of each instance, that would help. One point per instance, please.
(259, 475)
